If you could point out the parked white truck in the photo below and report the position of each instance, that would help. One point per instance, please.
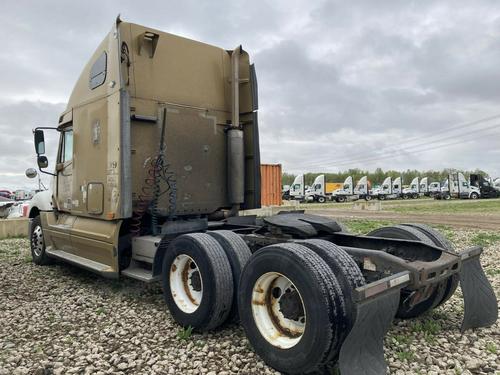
(460, 188)
(321, 190)
(298, 189)
(349, 193)
(413, 191)
(390, 189)
(424, 186)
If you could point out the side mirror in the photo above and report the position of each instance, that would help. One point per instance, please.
(39, 142)
(31, 172)
(42, 161)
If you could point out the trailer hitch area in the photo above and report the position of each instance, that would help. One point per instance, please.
(480, 302)
(362, 352)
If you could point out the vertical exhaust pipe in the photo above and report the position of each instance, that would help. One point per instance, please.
(235, 144)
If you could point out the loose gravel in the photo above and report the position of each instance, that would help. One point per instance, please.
(62, 320)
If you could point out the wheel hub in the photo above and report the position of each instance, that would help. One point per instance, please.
(186, 283)
(291, 305)
(278, 310)
(37, 241)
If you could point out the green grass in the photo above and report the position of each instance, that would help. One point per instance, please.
(428, 328)
(485, 239)
(491, 347)
(361, 226)
(405, 355)
(493, 272)
(14, 237)
(404, 340)
(185, 333)
(423, 205)
(454, 206)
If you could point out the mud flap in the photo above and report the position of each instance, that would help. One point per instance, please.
(362, 352)
(480, 303)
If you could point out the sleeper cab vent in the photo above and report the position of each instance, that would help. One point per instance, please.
(95, 198)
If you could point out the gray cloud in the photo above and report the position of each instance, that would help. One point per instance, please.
(336, 79)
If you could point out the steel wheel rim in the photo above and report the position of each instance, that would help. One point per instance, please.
(281, 322)
(37, 241)
(186, 283)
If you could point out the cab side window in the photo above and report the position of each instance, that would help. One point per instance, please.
(98, 72)
(67, 146)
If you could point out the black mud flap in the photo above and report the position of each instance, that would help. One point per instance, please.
(362, 352)
(480, 302)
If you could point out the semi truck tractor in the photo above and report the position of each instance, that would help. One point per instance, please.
(321, 191)
(457, 186)
(434, 189)
(363, 189)
(413, 191)
(424, 186)
(298, 188)
(390, 189)
(350, 193)
(485, 186)
(347, 190)
(159, 151)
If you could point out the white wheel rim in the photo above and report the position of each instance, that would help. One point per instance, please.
(186, 283)
(278, 310)
(37, 241)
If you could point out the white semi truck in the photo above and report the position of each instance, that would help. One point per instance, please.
(350, 193)
(321, 190)
(424, 186)
(298, 189)
(457, 186)
(390, 189)
(413, 191)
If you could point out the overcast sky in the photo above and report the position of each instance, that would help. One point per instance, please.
(342, 83)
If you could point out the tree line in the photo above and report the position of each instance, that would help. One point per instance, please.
(378, 175)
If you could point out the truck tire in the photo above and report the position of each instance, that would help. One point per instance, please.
(321, 199)
(345, 270)
(406, 196)
(414, 196)
(408, 233)
(37, 243)
(341, 199)
(280, 286)
(368, 198)
(474, 195)
(238, 254)
(197, 281)
(381, 197)
(441, 241)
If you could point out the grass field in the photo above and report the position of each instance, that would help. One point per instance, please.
(423, 205)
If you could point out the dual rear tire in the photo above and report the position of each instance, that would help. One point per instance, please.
(201, 275)
(294, 300)
(295, 304)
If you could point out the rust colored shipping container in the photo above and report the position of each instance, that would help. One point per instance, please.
(270, 177)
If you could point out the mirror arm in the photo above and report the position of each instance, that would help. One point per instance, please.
(45, 127)
(49, 173)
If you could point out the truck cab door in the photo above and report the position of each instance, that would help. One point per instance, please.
(64, 171)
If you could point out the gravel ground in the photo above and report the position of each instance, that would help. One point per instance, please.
(62, 320)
